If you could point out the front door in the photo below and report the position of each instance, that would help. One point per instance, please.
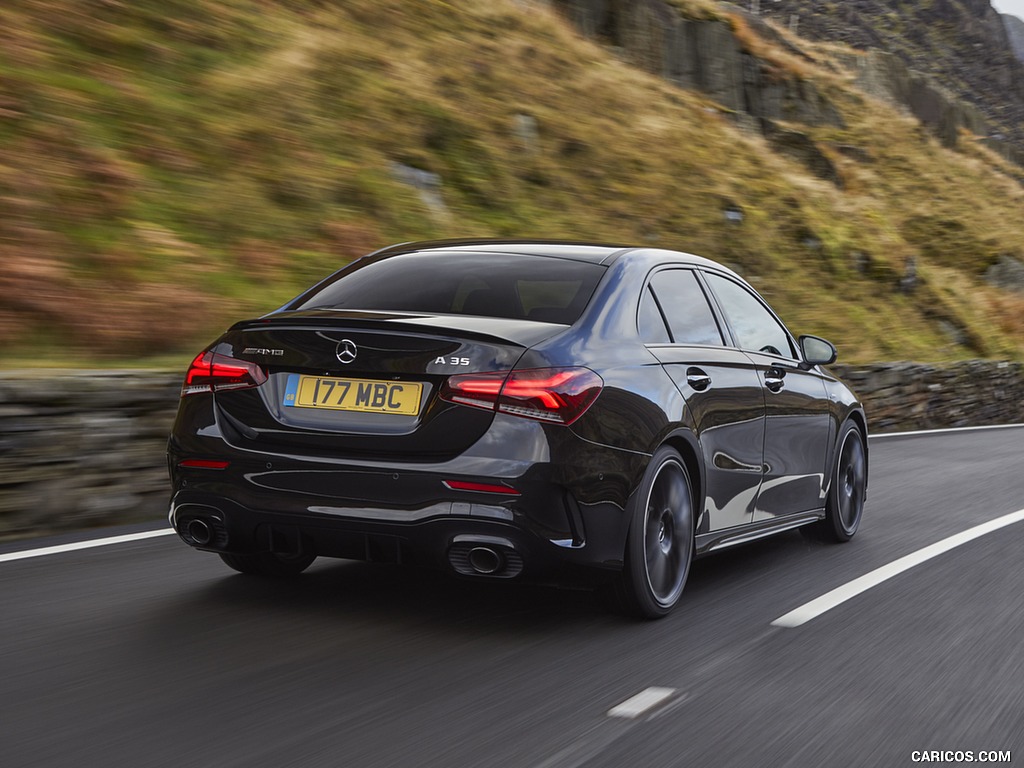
(797, 419)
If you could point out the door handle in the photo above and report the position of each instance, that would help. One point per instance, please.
(775, 379)
(697, 379)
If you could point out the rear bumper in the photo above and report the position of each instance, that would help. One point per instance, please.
(434, 537)
(562, 513)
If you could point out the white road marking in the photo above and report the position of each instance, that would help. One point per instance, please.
(943, 431)
(643, 702)
(43, 551)
(839, 595)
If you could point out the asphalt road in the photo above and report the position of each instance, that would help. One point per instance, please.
(150, 654)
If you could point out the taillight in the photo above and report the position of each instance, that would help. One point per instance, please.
(213, 372)
(477, 389)
(554, 395)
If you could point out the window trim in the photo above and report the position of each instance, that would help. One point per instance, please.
(648, 290)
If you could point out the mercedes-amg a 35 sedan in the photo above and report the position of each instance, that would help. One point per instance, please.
(558, 412)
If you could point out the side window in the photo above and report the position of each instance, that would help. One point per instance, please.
(686, 308)
(649, 321)
(755, 327)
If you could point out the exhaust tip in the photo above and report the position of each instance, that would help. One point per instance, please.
(487, 556)
(200, 525)
(199, 531)
(485, 560)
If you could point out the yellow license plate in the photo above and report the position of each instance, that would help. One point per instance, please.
(364, 395)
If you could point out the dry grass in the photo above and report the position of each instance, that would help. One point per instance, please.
(771, 56)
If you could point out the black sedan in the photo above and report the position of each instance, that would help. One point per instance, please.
(559, 412)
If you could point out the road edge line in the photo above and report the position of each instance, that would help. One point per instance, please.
(811, 610)
(89, 544)
(943, 430)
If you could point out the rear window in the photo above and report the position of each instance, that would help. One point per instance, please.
(549, 290)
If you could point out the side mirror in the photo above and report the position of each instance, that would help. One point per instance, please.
(816, 351)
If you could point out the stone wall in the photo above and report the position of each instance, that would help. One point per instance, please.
(901, 397)
(83, 449)
(87, 449)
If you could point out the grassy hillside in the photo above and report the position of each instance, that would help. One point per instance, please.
(169, 165)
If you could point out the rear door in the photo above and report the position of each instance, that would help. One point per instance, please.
(721, 388)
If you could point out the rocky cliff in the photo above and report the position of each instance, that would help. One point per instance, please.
(748, 67)
(706, 53)
(961, 44)
(1015, 32)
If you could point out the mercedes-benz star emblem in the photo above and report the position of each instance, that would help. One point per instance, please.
(346, 351)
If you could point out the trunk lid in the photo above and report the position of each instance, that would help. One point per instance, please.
(345, 383)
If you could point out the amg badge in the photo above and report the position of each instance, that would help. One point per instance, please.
(263, 351)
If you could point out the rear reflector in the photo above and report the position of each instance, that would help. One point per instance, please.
(553, 395)
(203, 464)
(462, 485)
(213, 372)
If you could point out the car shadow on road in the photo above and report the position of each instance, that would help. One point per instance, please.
(346, 591)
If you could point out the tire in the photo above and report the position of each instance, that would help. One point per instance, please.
(844, 505)
(268, 563)
(659, 546)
